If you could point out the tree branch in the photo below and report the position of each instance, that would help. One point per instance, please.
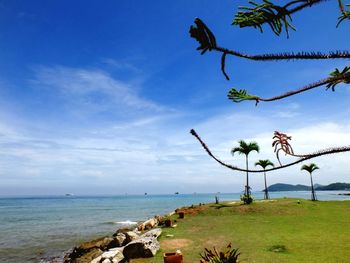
(336, 78)
(207, 41)
(286, 55)
(307, 157)
(274, 15)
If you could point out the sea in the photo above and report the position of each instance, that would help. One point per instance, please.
(37, 229)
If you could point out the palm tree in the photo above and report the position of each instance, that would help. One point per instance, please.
(310, 168)
(246, 148)
(264, 164)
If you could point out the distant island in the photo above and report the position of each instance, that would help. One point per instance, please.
(300, 187)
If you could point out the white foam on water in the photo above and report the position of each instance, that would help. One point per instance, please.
(127, 222)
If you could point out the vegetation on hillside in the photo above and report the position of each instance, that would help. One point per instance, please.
(334, 186)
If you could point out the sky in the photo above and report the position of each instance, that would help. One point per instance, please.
(99, 97)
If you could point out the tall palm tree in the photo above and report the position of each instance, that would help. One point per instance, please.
(246, 148)
(310, 168)
(264, 164)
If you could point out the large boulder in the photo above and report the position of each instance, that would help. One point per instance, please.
(149, 224)
(122, 230)
(130, 236)
(90, 250)
(87, 257)
(120, 239)
(114, 255)
(155, 233)
(103, 243)
(141, 248)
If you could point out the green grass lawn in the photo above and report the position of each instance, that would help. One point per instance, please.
(306, 231)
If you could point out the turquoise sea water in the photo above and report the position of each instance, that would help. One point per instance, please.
(36, 228)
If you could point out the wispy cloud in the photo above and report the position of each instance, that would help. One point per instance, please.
(159, 158)
(93, 89)
(121, 65)
(151, 150)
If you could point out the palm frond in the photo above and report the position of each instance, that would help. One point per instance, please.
(338, 77)
(240, 95)
(309, 168)
(245, 148)
(264, 163)
(203, 35)
(277, 17)
(345, 14)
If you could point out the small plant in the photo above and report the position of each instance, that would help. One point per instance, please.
(278, 249)
(247, 199)
(230, 255)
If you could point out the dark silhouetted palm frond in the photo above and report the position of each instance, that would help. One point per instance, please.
(203, 35)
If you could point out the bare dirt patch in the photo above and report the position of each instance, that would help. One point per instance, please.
(190, 210)
(217, 242)
(175, 243)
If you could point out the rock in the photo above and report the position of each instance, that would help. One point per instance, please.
(90, 250)
(122, 230)
(88, 257)
(153, 233)
(114, 255)
(96, 260)
(119, 239)
(103, 243)
(121, 249)
(141, 248)
(130, 236)
(150, 223)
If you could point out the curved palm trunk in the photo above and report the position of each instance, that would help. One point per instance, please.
(266, 195)
(247, 188)
(313, 195)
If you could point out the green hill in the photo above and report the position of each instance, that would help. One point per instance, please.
(300, 187)
(335, 186)
(287, 187)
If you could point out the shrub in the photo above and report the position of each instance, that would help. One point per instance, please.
(230, 255)
(247, 199)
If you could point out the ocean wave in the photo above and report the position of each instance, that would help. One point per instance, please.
(127, 222)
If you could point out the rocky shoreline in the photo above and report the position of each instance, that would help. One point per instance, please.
(124, 244)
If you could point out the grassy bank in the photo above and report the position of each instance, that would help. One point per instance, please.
(278, 231)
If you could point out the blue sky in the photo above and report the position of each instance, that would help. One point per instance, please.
(99, 98)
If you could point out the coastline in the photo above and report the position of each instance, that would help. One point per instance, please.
(122, 245)
(191, 211)
(40, 228)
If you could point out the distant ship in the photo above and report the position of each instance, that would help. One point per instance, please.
(145, 193)
(69, 194)
(176, 193)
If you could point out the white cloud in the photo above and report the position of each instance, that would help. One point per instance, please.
(153, 151)
(160, 159)
(93, 89)
(290, 110)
